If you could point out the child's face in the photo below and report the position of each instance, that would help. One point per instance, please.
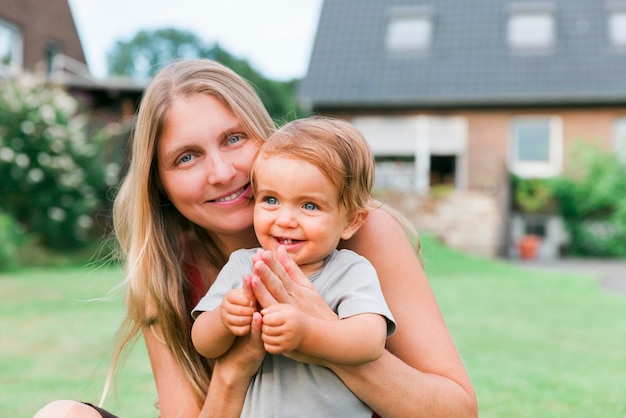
(297, 206)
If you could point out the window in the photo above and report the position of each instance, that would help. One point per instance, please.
(619, 139)
(531, 29)
(395, 173)
(51, 51)
(410, 30)
(10, 45)
(535, 147)
(617, 29)
(617, 22)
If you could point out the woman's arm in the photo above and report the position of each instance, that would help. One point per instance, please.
(176, 397)
(232, 374)
(422, 375)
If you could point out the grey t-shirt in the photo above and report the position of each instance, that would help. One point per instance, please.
(286, 388)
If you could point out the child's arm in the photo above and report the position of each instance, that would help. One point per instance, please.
(213, 332)
(210, 336)
(354, 340)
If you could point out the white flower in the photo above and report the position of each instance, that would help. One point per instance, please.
(22, 160)
(85, 221)
(56, 213)
(57, 146)
(7, 154)
(35, 175)
(111, 174)
(28, 127)
(48, 114)
(43, 158)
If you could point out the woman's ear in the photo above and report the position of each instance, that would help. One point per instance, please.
(353, 225)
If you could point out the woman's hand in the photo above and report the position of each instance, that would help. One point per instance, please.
(232, 374)
(278, 279)
(247, 352)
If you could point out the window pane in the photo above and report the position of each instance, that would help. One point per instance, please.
(619, 139)
(409, 34)
(617, 28)
(531, 30)
(532, 141)
(10, 42)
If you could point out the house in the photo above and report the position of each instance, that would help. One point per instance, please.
(466, 93)
(33, 33)
(41, 36)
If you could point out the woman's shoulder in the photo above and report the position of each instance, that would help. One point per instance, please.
(382, 223)
(384, 231)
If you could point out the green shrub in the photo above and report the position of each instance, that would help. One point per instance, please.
(55, 174)
(10, 240)
(592, 202)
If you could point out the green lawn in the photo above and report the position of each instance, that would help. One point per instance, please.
(535, 344)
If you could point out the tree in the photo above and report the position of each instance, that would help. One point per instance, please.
(143, 55)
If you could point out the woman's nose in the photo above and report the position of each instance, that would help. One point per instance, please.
(220, 170)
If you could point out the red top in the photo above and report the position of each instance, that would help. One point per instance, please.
(197, 291)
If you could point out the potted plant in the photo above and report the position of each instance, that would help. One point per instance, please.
(531, 196)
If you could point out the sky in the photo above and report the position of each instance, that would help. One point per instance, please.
(275, 36)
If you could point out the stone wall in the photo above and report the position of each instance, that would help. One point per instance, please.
(467, 221)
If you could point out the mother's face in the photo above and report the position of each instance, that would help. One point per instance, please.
(204, 159)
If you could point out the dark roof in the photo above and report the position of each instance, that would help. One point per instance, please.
(469, 64)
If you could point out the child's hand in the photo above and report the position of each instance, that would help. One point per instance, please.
(238, 307)
(283, 328)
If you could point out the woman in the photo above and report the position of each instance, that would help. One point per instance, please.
(185, 205)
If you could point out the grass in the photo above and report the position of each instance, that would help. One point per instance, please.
(535, 344)
(57, 332)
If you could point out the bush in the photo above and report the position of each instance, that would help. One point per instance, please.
(55, 175)
(592, 203)
(11, 238)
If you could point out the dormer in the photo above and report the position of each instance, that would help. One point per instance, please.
(531, 28)
(409, 30)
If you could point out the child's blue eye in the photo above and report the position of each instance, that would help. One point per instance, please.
(271, 200)
(310, 206)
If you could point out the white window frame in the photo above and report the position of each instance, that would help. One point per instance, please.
(409, 30)
(16, 49)
(619, 138)
(531, 28)
(542, 169)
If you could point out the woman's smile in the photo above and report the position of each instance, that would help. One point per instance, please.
(244, 193)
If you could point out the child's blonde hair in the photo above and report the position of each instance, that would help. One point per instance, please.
(336, 148)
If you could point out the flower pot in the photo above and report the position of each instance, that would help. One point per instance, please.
(528, 245)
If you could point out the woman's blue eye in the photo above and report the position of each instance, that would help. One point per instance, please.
(185, 158)
(271, 200)
(310, 206)
(234, 139)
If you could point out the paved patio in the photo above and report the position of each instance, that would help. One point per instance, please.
(610, 273)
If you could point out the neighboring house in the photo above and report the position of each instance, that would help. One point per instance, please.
(34, 32)
(465, 92)
(41, 36)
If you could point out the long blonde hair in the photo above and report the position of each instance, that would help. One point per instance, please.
(154, 237)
